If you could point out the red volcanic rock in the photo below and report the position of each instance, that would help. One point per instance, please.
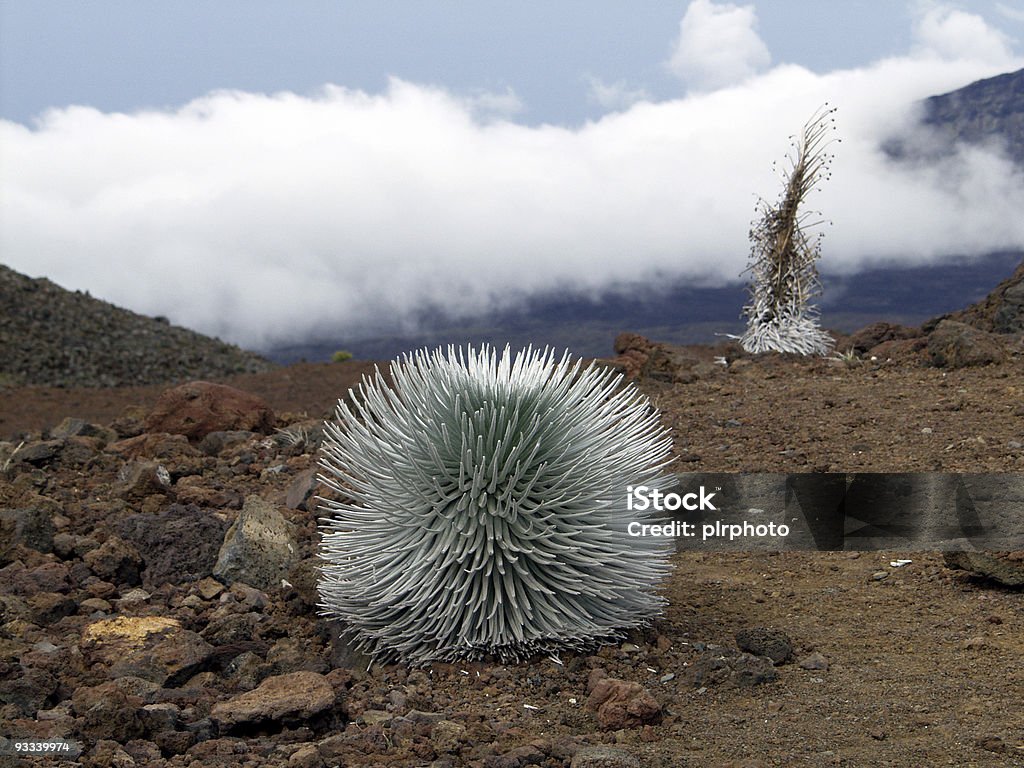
(621, 703)
(198, 408)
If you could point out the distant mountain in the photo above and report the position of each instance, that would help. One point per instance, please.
(982, 111)
(52, 336)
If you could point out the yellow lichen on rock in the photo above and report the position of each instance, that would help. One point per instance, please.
(128, 629)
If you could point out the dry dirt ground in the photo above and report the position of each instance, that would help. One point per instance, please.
(925, 665)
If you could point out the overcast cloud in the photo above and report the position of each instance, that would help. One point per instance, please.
(269, 218)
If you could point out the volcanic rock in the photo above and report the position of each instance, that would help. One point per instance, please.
(765, 641)
(154, 648)
(871, 336)
(115, 561)
(295, 695)
(140, 479)
(620, 703)
(107, 712)
(1005, 567)
(956, 345)
(259, 548)
(181, 543)
(31, 528)
(198, 408)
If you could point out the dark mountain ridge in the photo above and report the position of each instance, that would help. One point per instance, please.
(49, 335)
(986, 110)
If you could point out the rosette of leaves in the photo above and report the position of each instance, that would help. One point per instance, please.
(480, 507)
(783, 261)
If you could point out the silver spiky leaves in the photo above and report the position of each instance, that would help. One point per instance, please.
(483, 507)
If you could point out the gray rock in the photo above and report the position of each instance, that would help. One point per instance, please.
(814, 661)
(259, 548)
(139, 479)
(215, 443)
(300, 492)
(749, 670)
(600, 756)
(28, 690)
(74, 427)
(32, 528)
(159, 717)
(1009, 316)
(38, 453)
(342, 653)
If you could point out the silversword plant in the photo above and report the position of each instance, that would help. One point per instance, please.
(783, 260)
(481, 507)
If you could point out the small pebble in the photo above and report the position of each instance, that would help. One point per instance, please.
(814, 661)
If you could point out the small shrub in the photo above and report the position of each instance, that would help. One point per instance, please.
(341, 356)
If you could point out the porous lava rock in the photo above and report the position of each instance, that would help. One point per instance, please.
(198, 408)
(957, 345)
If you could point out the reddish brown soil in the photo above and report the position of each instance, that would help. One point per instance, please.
(925, 665)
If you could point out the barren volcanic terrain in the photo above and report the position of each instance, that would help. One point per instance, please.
(115, 526)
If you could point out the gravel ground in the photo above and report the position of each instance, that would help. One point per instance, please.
(877, 665)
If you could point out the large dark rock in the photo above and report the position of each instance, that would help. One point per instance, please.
(107, 712)
(32, 528)
(765, 641)
(115, 561)
(957, 345)
(871, 336)
(180, 543)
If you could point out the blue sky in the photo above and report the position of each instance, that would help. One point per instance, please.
(268, 171)
(123, 56)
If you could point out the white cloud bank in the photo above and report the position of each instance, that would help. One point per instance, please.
(272, 218)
